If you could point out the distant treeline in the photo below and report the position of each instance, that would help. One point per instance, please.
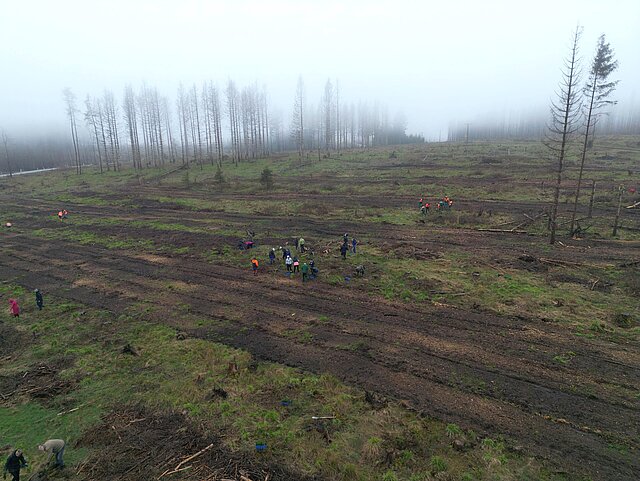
(533, 127)
(202, 124)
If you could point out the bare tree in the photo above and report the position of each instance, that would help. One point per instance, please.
(110, 110)
(565, 112)
(297, 121)
(338, 128)
(5, 142)
(597, 90)
(91, 118)
(183, 114)
(264, 114)
(233, 109)
(215, 117)
(196, 132)
(327, 112)
(166, 115)
(70, 100)
(131, 119)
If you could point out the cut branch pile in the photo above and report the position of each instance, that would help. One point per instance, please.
(135, 443)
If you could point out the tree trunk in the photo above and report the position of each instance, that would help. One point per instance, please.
(584, 156)
(615, 224)
(593, 192)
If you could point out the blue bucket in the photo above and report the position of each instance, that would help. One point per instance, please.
(285, 403)
(261, 447)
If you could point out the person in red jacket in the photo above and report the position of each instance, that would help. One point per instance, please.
(14, 308)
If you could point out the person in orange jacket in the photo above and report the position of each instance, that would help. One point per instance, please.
(254, 264)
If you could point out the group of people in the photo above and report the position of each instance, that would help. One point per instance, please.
(54, 447)
(14, 307)
(291, 262)
(16, 461)
(443, 204)
(346, 246)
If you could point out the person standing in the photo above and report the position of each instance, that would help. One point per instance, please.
(14, 308)
(305, 272)
(54, 447)
(344, 249)
(354, 243)
(254, 265)
(39, 299)
(272, 256)
(289, 262)
(296, 265)
(301, 244)
(15, 462)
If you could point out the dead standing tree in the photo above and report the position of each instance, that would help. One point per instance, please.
(297, 120)
(327, 111)
(5, 142)
(565, 113)
(111, 115)
(233, 109)
(92, 120)
(596, 92)
(70, 101)
(131, 119)
(183, 120)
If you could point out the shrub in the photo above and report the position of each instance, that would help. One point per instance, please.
(453, 430)
(438, 464)
(389, 476)
(266, 178)
(219, 177)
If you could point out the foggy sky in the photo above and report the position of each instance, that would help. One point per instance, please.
(436, 61)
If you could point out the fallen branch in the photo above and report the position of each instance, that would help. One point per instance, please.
(504, 231)
(135, 421)
(177, 468)
(633, 206)
(556, 262)
(176, 471)
(70, 410)
(449, 293)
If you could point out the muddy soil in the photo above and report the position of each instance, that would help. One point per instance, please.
(494, 374)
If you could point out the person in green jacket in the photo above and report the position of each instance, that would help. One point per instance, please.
(301, 244)
(305, 272)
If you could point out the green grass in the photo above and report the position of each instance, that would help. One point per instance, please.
(512, 171)
(251, 413)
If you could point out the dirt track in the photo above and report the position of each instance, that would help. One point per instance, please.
(490, 373)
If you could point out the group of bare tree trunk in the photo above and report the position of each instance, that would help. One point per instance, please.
(334, 126)
(212, 124)
(72, 110)
(577, 110)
